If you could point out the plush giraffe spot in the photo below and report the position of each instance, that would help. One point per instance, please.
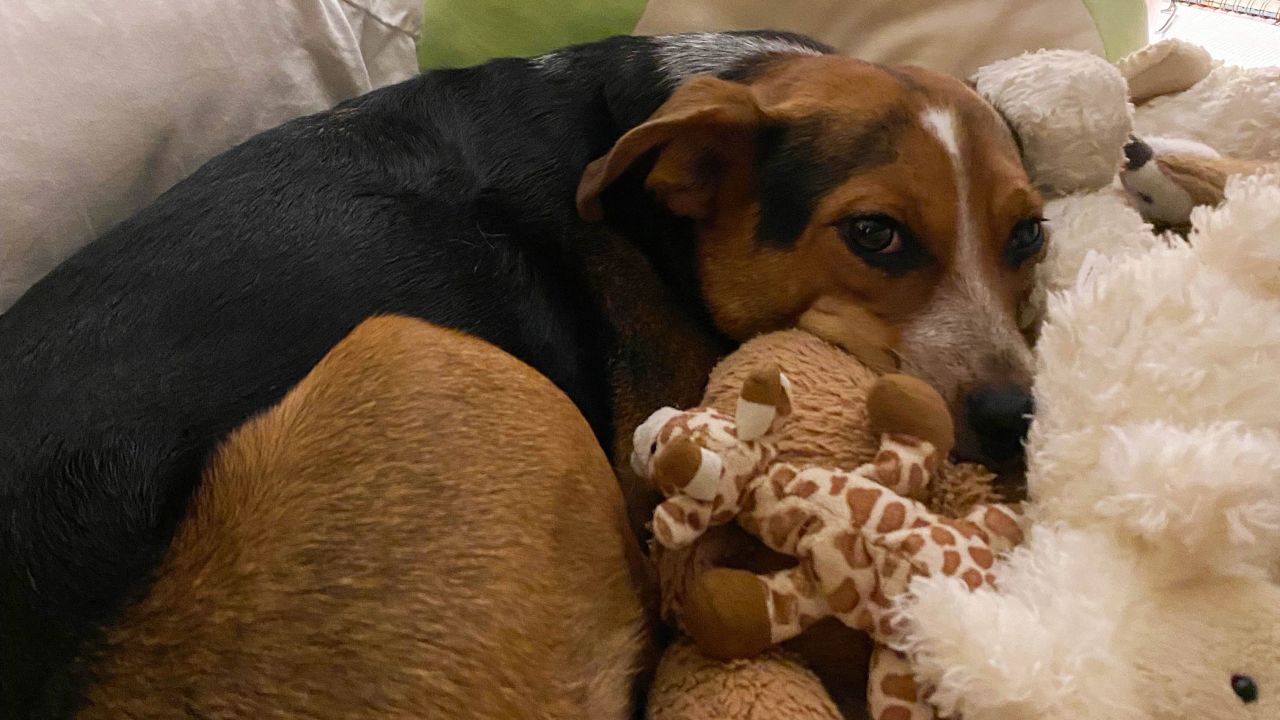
(845, 597)
(722, 517)
(804, 584)
(991, 579)
(972, 578)
(888, 465)
(861, 502)
(913, 544)
(781, 526)
(900, 687)
(805, 488)
(931, 463)
(878, 597)
(838, 484)
(694, 521)
(779, 479)
(893, 518)
(1003, 525)
(950, 562)
(968, 530)
(854, 552)
(916, 481)
(983, 557)
(676, 512)
(920, 523)
(942, 536)
(784, 608)
(749, 504)
(895, 712)
(662, 530)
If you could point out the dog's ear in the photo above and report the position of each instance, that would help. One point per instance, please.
(700, 132)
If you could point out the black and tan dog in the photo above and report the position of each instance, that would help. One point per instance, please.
(746, 182)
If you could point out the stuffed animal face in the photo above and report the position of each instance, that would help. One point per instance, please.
(1209, 650)
(1083, 628)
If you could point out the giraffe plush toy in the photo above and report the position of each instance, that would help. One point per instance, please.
(859, 535)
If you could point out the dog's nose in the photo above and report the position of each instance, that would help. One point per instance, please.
(1137, 153)
(1000, 415)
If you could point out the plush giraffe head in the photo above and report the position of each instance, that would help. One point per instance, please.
(702, 459)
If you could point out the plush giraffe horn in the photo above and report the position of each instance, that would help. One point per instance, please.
(683, 465)
(765, 396)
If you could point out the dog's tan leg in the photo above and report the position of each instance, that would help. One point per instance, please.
(424, 527)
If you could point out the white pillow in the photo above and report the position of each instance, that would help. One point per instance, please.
(106, 103)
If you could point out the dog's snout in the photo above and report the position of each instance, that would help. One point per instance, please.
(999, 415)
(1136, 154)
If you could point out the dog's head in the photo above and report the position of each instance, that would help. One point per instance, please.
(850, 198)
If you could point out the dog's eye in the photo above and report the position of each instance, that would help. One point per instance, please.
(872, 234)
(881, 242)
(1026, 241)
(1245, 688)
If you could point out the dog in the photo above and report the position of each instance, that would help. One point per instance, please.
(617, 215)
(331, 568)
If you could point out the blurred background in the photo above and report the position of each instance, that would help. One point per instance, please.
(463, 32)
(109, 103)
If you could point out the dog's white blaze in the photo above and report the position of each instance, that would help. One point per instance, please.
(943, 124)
(964, 337)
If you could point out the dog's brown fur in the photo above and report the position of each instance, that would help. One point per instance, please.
(424, 527)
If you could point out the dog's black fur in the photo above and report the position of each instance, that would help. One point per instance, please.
(448, 197)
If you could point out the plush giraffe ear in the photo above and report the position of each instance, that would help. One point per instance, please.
(765, 397)
(700, 134)
(684, 466)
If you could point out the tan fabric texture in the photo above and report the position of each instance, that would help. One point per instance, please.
(107, 104)
(953, 36)
(690, 686)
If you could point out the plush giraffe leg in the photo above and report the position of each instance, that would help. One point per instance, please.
(796, 601)
(1003, 525)
(734, 613)
(680, 520)
(726, 612)
(905, 465)
(892, 693)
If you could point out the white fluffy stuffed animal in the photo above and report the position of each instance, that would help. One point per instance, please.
(1074, 114)
(1145, 589)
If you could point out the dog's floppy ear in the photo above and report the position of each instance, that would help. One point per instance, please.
(699, 132)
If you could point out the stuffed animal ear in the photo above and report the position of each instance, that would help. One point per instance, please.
(1165, 67)
(765, 397)
(700, 134)
(1042, 647)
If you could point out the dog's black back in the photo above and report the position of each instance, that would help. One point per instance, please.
(448, 197)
